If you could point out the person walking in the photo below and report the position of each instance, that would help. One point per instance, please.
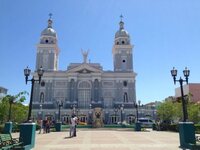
(72, 126)
(76, 122)
(40, 123)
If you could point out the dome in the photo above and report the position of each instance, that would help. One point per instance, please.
(48, 32)
(121, 33)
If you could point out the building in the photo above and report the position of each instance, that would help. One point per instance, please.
(3, 92)
(83, 87)
(191, 89)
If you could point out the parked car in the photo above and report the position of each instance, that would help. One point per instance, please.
(146, 122)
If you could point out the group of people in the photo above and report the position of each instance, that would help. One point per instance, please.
(44, 125)
(73, 124)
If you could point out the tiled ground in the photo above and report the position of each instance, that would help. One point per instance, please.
(99, 139)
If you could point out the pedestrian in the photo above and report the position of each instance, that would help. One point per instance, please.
(44, 125)
(72, 126)
(40, 123)
(48, 126)
(76, 122)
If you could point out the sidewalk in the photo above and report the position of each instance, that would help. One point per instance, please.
(104, 139)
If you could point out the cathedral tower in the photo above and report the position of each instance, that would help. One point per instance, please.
(47, 49)
(122, 50)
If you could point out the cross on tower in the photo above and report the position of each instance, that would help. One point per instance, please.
(50, 15)
(121, 17)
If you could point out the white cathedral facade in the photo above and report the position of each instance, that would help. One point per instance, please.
(84, 86)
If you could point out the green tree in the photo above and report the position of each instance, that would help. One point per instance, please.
(194, 112)
(10, 107)
(166, 111)
(172, 111)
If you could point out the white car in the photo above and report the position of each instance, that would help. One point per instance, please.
(146, 122)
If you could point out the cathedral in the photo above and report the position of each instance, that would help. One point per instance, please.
(85, 87)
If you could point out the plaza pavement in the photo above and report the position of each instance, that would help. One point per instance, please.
(108, 139)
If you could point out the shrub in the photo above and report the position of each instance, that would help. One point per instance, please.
(1, 128)
(197, 128)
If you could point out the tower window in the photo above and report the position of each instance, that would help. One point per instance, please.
(123, 61)
(117, 43)
(125, 97)
(41, 97)
(47, 41)
(123, 42)
(42, 83)
(125, 83)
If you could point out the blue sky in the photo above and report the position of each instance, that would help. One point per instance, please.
(164, 34)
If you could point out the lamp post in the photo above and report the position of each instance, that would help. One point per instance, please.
(73, 107)
(60, 104)
(186, 73)
(115, 110)
(77, 110)
(90, 114)
(121, 108)
(27, 72)
(136, 107)
(41, 111)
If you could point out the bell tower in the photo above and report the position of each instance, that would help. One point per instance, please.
(47, 49)
(122, 50)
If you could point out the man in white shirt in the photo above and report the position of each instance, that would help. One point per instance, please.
(73, 126)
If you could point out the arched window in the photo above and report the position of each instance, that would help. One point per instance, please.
(84, 94)
(41, 97)
(125, 97)
(96, 89)
(72, 86)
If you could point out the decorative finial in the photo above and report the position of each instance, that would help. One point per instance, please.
(121, 17)
(50, 15)
(121, 23)
(85, 55)
(50, 21)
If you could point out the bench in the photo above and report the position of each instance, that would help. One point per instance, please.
(7, 142)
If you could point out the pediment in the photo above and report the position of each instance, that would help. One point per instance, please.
(84, 68)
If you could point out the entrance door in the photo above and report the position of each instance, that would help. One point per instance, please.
(83, 119)
(114, 119)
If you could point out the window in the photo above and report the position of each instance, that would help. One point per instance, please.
(84, 94)
(42, 83)
(47, 41)
(125, 97)
(125, 83)
(123, 42)
(41, 97)
(123, 61)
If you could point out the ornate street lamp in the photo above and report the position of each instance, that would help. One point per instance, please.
(73, 107)
(136, 107)
(121, 108)
(90, 114)
(186, 73)
(27, 72)
(41, 111)
(115, 110)
(60, 104)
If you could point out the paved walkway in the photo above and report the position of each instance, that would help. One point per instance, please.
(105, 139)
